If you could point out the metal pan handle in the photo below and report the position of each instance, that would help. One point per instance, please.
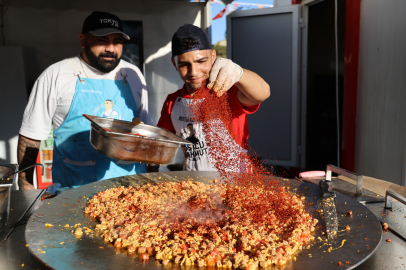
(357, 177)
(26, 168)
(390, 195)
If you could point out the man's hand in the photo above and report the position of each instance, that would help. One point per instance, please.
(152, 168)
(24, 185)
(136, 121)
(27, 153)
(223, 75)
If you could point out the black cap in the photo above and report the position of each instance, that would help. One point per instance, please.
(189, 31)
(102, 24)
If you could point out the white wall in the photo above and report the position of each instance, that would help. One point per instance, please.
(48, 30)
(381, 108)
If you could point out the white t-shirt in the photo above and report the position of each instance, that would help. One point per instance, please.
(53, 92)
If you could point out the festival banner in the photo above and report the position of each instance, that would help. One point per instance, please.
(221, 13)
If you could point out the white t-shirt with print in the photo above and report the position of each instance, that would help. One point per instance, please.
(53, 92)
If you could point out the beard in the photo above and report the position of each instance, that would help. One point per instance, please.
(101, 64)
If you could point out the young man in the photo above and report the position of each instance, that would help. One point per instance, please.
(96, 82)
(195, 60)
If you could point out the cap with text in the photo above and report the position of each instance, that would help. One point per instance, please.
(189, 31)
(102, 24)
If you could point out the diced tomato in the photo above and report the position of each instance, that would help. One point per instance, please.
(281, 251)
(182, 235)
(281, 261)
(210, 263)
(304, 237)
(183, 247)
(224, 238)
(234, 250)
(215, 236)
(244, 233)
(145, 257)
(214, 253)
(193, 251)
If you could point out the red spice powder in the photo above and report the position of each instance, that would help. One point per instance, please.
(216, 116)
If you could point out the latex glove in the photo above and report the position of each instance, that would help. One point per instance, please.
(224, 74)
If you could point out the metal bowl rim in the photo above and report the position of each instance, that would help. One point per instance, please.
(97, 126)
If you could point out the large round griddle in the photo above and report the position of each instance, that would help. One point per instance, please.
(90, 251)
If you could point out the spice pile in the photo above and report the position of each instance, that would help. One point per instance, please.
(206, 225)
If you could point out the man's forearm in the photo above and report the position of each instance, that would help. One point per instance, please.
(253, 89)
(27, 153)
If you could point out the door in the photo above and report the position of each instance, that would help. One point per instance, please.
(266, 41)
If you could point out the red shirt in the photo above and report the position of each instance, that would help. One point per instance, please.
(239, 122)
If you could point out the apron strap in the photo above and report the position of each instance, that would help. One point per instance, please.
(76, 70)
(122, 73)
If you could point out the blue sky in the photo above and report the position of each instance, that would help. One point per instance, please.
(219, 25)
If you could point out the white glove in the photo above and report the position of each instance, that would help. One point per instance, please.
(224, 74)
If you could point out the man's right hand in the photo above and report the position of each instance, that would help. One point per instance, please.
(223, 75)
(27, 153)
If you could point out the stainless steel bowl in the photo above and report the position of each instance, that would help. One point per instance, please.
(5, 192)
(117, 139)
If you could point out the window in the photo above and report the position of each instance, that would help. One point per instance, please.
(133, 50)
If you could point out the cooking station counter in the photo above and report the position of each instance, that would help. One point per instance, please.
(14, 254)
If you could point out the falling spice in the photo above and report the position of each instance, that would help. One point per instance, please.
(227, 152)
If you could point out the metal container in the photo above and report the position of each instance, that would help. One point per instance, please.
(123, 140)
(5, 191)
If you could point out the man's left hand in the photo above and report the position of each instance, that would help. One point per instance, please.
(223, 75)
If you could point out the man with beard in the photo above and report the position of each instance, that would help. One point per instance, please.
(195, 61)
(81, 85)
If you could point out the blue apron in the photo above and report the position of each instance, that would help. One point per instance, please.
(75, 161)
